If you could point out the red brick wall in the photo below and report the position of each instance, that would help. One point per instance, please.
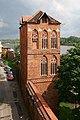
(31, 58)
(23, 57)
(34, 65)
(49, 94)
(35, 55)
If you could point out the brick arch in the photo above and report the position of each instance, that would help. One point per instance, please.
(34, 35)
(54, 58)
(54, 32)
(35, 41)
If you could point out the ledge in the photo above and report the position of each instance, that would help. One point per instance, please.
(44, 109)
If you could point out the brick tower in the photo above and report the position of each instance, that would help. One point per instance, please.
(40, 53)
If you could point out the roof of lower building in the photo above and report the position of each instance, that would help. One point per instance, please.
(36, 18)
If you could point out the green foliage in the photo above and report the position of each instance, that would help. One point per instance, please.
(17, 54)
(76, 114)
(65, 112)
(68, 84)
(72, 40)
(8, 62)
(5, 57)
(16, 61)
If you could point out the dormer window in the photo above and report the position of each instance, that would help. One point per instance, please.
(34, 35)
(44, 19)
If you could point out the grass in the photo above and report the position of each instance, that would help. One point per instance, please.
(66, 111)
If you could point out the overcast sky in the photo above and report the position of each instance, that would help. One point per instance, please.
(66, 11)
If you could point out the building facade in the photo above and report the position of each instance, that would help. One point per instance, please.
(40, 54)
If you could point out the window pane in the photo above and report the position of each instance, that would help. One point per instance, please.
(53, 66)
(44, 66)
(53, 40)
(44, 39)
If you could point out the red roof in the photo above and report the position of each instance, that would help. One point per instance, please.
(26, 18)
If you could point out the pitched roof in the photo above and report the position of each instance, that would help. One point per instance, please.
(26, 18)
(36, 18)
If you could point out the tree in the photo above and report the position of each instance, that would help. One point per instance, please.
(72, 40)
(68, 83)
(17, 54)
(16, 61)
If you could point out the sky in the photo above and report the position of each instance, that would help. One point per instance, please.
(65, 11)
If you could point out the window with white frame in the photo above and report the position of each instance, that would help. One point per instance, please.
(44, 66)
(44, 39)
(53, 65)
(53, 40)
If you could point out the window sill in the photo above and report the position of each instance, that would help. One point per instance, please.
(44, 75)
(53, 48)
(52, 75)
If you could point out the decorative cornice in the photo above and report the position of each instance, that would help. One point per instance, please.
(29, 30)
(39, 30)
(49, 30)
(41, 51)
(57, 30)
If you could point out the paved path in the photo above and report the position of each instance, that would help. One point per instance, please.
(11, 103)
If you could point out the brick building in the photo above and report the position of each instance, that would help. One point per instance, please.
(10, 52)
(40, 54)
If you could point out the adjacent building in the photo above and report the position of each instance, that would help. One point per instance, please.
(40, 55)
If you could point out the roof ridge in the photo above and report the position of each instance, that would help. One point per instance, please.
(36, 14)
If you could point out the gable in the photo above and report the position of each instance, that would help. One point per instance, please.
(42, 15)
(35, 19)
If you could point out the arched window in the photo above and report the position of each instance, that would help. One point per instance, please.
(34, 35)
(53, 65)
(53, 40)
(44, 39)
(44, 66)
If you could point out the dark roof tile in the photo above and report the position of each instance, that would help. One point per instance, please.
(36, 18)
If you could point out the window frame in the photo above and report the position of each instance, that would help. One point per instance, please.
(44, 66)
(53, 40)
(53, 65)
(44, 39)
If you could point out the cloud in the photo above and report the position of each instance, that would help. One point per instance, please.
(3, 24)
(67, 12)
